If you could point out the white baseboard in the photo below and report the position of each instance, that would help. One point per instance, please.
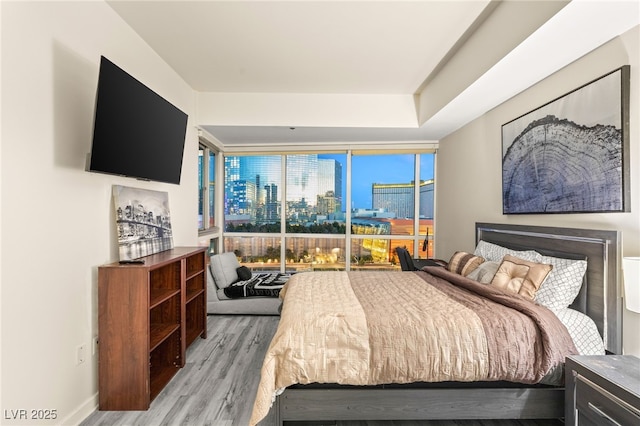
(82, 412)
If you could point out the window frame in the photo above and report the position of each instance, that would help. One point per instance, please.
(210, 233)
(415, 240)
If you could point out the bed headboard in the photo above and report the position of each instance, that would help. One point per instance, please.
(601, 294)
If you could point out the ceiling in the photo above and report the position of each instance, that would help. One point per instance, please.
(365, 48)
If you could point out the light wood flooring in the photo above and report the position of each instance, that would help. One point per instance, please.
(217, 386)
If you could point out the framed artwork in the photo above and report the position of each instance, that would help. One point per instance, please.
(143, 222)
(570, 155)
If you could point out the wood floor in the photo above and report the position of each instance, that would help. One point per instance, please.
(217, 386)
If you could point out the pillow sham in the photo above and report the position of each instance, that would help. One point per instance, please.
(485, 272)
(520, 276)
(563, 284)
(510, 276)
(224, 268)
(463, 263)
(495, 253)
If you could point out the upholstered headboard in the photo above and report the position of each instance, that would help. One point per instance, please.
(600, 297)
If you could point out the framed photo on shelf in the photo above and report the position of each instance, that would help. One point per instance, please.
(570, 155)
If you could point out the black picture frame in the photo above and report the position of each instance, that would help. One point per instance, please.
(571, 155)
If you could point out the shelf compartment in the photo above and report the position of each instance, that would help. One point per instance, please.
(159, 296)
(164, 319)
(195, 264)
(195, 323)
(196, 282)
(158, 333)
(166, 277)
(164, 363)
(192, 294)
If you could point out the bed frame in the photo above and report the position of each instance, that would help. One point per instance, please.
(600, 298)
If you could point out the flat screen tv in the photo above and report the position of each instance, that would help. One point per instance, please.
(136, 132)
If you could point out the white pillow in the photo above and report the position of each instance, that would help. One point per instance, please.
(224, 268)
(495, 253)
(583, 332)
(563, 284)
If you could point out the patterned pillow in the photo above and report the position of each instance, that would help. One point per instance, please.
(495, 253)
(520, 276)
(583, 332)
(563, 284)
(463, 263)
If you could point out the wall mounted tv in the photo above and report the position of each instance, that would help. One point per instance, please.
(136, 132)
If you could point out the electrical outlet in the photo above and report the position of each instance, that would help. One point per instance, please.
(81, 354)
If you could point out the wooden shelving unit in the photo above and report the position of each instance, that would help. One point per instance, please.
(148, 315)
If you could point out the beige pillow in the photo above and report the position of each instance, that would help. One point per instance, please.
(463, 263)
(521, 276)
(485, 272)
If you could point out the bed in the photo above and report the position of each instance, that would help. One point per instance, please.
(515, 388)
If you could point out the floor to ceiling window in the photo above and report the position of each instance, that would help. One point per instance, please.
(388, 208)
(315, 211)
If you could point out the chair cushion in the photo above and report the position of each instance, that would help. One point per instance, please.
(224, 268)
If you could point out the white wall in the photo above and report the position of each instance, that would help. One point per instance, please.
(469, 175)
(57, 219)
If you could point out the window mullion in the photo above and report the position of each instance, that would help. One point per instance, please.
(205, 186)
(416, 207)
(347, 247)
(283, 212)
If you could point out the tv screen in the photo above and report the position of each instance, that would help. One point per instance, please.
(136, 132)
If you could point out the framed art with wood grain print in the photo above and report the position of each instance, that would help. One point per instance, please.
(570, 155)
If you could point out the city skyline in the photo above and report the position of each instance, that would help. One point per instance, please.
(311, 176)
(314, 189)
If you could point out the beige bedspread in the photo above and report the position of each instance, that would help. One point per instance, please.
(368, 328)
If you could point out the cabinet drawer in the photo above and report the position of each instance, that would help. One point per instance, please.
(596, 405)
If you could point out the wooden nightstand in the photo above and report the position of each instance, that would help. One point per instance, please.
(602, 390)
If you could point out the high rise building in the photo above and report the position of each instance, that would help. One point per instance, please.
(244, 180)
(398, 198)
(426, 199)
(327, 203)
(393, 197)
(302, 178)
(271, 202)
(268, 167)
(240, 198)
(330, 179)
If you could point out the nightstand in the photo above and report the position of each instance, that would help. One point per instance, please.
(602, 390)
